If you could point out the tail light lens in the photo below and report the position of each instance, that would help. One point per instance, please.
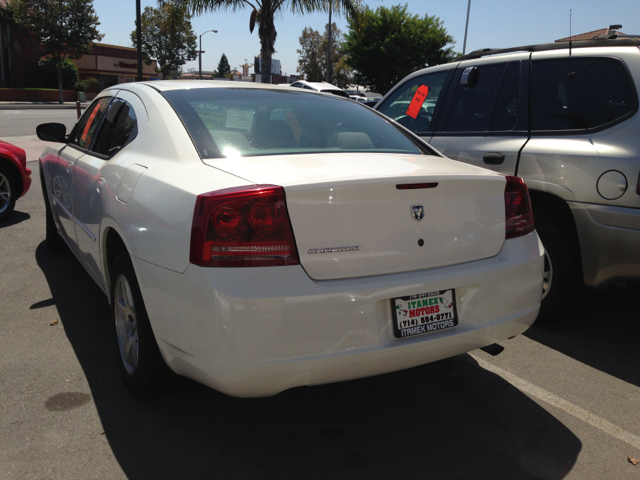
(517, 208)
(242, 227)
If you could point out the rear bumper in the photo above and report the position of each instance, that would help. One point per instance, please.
(609, 242)
(258, 331)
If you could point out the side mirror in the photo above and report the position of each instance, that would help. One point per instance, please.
(52, 132)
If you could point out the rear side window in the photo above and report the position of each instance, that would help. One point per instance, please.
(119, 128)
(88, 124)
(418, 120)
(490, 103)
(505, 111)
(580, 93)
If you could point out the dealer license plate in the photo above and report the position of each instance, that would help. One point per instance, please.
(424, 313)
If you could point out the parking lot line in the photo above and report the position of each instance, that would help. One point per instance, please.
(562, 404)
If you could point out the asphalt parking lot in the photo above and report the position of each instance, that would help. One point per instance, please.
(560, 402)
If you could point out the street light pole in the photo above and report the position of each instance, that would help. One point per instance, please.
(200, 52)
(464, 45)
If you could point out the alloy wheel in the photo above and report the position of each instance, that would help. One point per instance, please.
(126, 325)
(5, 193)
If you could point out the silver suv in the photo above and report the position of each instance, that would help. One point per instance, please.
(566, 120)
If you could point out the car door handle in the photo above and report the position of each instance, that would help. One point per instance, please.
(101, 183)
(493, 158)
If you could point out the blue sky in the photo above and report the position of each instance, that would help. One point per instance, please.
(493, 23)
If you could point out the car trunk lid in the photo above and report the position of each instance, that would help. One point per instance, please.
(351, 219)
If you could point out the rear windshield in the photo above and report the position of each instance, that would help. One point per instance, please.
(228, 122)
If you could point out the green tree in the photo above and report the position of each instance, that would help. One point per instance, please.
(263, 13)
(223, 67)
(47, 74)
(388, 44)
(64, 28)
(312, 59)
(167, 36)
(343, 75)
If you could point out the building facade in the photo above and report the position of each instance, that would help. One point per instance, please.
(19, 55)
(112, 64)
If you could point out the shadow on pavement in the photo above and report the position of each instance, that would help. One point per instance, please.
(15, 218)
(601, 330)
(427, 422)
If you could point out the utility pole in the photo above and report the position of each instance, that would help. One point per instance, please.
(139, 41)
(200, 52)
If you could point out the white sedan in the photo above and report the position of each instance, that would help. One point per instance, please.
(257, 238)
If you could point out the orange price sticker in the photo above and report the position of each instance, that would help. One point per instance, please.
(90, 121)
(418, 99)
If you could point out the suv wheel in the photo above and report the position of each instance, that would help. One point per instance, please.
(560, 265)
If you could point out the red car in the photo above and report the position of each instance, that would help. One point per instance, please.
(15, 177)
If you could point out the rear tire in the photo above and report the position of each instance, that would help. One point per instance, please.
(8, 192)
(561, 269)
(143, 369)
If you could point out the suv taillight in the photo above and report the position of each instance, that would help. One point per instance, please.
(517, 208)
(242, 227)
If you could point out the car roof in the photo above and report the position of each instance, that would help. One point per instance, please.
(168, 85)
(612, 41)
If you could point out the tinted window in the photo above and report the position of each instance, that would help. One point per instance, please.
(578, 93)
(397, 105)
(245, 122)
(472, 105)
(119, 127)
(86, 127)
(505, 112)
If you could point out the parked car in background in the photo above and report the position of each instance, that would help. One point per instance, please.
(370, 103)
(256, 238)
(15, 177)
(565, 118)
(323, 87)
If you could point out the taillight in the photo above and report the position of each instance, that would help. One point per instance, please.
(242, 227)
(517, 208)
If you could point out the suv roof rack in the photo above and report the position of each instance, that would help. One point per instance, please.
(619, 41)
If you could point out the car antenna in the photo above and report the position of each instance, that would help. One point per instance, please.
(570, 12)
(571, 73)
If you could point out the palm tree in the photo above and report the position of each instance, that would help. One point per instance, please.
(263, 13)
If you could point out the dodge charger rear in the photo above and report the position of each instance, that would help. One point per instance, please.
(331, 243)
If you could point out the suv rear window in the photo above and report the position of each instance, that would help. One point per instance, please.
(491, 104)
(579, 93)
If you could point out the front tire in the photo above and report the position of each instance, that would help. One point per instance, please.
(8, 192)
(141, 364)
